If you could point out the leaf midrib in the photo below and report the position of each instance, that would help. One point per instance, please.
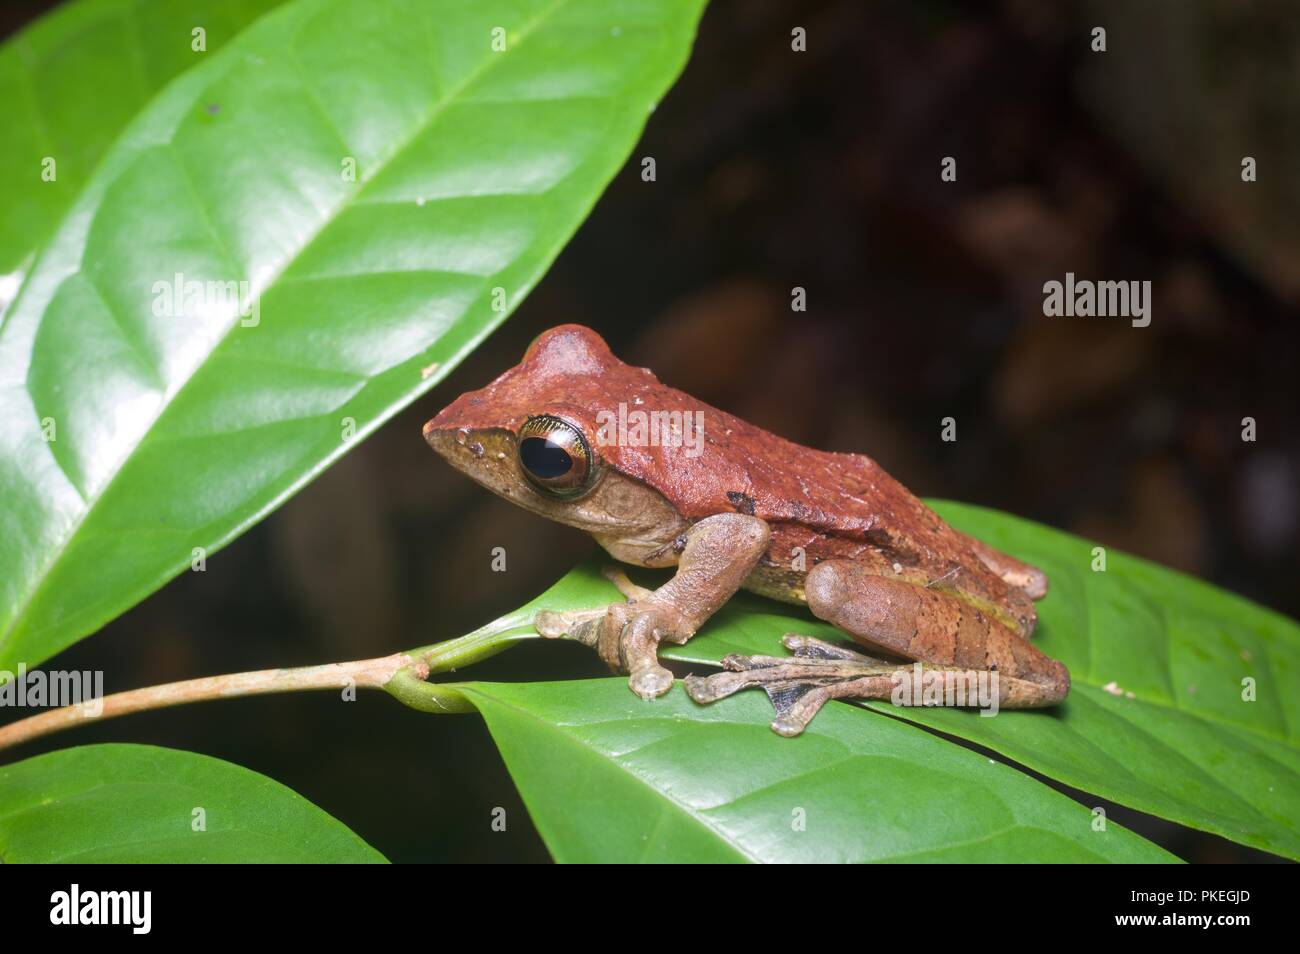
(418, 130)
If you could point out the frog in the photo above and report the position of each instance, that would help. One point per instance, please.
(728, 506)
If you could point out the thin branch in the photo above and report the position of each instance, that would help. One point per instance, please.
(402, 675)
(366, 673)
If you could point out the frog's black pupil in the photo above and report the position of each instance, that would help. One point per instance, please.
(544, 458)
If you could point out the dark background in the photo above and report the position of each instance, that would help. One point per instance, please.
(821, 169)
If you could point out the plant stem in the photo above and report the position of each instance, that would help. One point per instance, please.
(442, 698)
(481, 644)
(403, 675)
(366, 673)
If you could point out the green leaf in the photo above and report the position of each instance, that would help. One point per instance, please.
(1185, 746)
(173, 433)
(137, 803)
(610, 778)
(70, 82)
(580, 588)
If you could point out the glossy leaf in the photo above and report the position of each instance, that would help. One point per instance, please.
(70, 82)
(1185, 745)
(142, 426)
(138, 803)
(610, 778)
(581, 588)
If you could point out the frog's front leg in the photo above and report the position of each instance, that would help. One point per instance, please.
(899, 619)
(718, 554)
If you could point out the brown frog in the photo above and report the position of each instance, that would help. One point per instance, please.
(662, 480)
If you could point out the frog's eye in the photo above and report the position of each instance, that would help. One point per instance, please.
(555, 456)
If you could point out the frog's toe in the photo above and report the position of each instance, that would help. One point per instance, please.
(789, 724)
(550, 624)
(619, 578)
(650, 682)
(630, 643)
(797, 703)
(795, 695)
(706, 689)
(797, 686)
(809, 647)
(580, 625)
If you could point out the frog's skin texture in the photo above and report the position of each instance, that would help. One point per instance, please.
(745, 508)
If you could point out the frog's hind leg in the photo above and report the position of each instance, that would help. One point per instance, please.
(798, 687)
(819, 672)
(960, 649)
(902, 619)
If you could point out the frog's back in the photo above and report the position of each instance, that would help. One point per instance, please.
(828, 505)
(819, 504)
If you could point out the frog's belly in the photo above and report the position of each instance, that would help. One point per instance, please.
(778, 583)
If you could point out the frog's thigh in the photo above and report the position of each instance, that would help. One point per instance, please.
(903, 619)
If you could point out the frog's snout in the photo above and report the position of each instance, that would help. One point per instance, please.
(468, 449)
(456, 446)
(451, 443)
(436, 437)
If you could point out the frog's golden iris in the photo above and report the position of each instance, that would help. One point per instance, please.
(555, 456)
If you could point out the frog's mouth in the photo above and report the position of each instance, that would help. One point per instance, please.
(479, 453)
(488, 457)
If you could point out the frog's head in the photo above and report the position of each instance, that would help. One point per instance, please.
(530, 435)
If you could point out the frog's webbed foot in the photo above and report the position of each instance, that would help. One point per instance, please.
(626, 635)
(717, 556)
(800, 685)
(581, 625)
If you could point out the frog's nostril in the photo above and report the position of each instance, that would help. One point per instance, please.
(438, 439)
